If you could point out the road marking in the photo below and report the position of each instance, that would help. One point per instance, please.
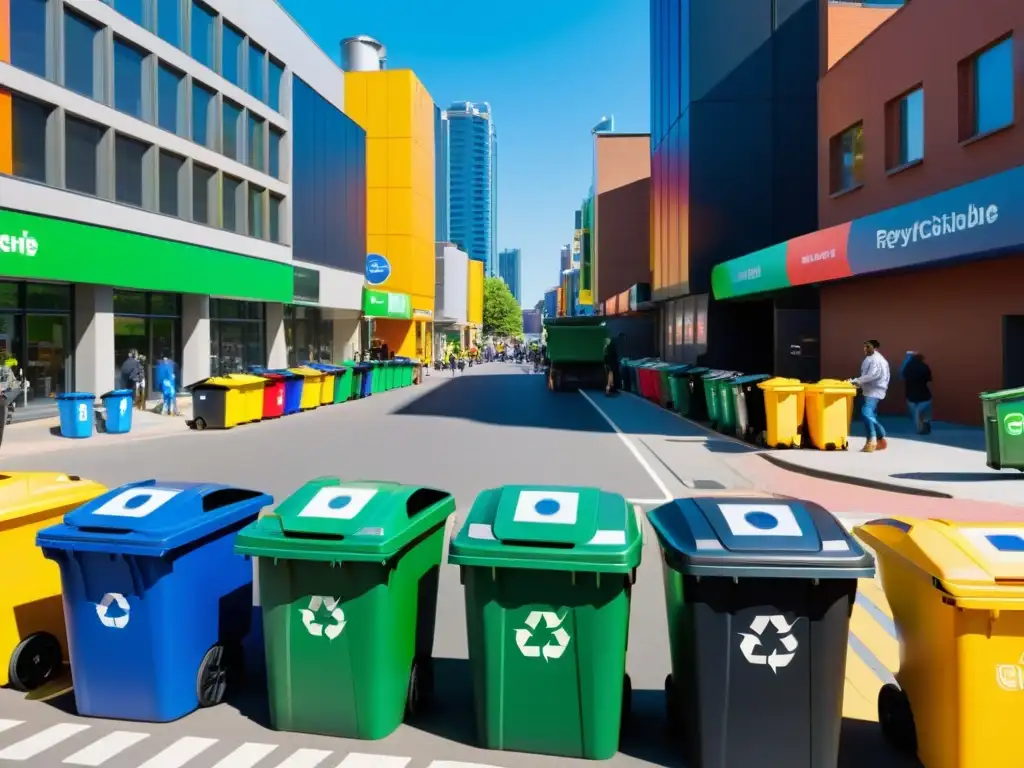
(457, 764)
(305, 758)
(109, 746)
(247, 755)
(28, 748)
(632, 449)
(179, 753)
(647, 502)
(359, 760)
(6, 725)
(870, 659)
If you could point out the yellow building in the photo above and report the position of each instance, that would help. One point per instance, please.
(475, 298)
(397, 113)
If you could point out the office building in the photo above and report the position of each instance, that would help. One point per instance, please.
(176, 177)
(459, 293)
(510, 269)
(921, 213)
(565, 258)
(398, 115)
(442, 231)
(532, 322)
(472, 182)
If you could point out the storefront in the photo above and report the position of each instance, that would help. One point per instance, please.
(36, 336)
(238, 336)
(389, 322)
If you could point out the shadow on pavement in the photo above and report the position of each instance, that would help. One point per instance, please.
(957, 477)
(862, 745)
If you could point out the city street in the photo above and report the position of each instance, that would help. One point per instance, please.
(494, 425)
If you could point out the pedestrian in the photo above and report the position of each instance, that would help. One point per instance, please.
(167, 379)
(917, 375)
(452, 361)
(133, 377)
(874, 384)
(611, 366)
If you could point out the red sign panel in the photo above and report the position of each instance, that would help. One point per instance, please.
(818, 256)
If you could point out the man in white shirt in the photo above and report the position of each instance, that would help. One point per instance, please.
(874, 383)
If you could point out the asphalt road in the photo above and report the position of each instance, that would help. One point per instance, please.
(492, 426)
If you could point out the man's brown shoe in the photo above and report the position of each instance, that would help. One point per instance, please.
(882, 444)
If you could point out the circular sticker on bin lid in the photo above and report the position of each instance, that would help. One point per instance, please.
(547, 507)
(338, 502)
(775, 520)
(997, 544)
(137, 502)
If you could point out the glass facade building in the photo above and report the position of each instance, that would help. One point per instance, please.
(472, 185)
(510, 269)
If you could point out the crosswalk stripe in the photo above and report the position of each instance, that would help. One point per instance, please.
(179, 753)
(109, 746)
(359, 760)
(28, 748)
(247, 755)
(6, 725)
(305, 758)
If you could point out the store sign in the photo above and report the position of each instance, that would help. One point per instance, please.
(383, 304)
(21, 244)
(763, 270)
(819, 256)
(378, 269)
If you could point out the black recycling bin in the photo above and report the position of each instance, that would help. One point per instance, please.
(759, 594)
(751, 416)
(698, 406)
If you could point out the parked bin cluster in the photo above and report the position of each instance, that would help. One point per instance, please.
(771, 411)
(77, 413)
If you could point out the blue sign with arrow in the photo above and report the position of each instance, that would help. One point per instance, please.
(378, 269)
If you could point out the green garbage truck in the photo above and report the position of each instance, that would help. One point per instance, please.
(575, 354)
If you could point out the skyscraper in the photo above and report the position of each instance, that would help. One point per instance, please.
(566, 262)
(472, 181)
(441, 233)
(510, 269)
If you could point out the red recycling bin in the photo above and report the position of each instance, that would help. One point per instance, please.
(273, 395)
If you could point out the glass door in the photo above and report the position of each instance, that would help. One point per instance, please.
(48, 365)
(129, 334)
(163, 334)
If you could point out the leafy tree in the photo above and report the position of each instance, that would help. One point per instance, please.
(502, 314)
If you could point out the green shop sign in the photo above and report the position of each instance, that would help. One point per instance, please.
(40, 248)
(757, 272)
(393, 306)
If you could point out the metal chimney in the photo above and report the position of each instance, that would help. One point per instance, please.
(363, 54)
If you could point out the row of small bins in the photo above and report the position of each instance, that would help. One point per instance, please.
(758, 594)
(772, 411)
(77, 415)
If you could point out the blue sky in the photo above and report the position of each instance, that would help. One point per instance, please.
(550, 70)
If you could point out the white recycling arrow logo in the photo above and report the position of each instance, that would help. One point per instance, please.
(559, 637)
(313, 626)
(115, 622)
(752, 641)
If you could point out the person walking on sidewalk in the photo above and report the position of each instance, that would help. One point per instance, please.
(167, 379)
(874, 384)
(133, 377)
(917, 375)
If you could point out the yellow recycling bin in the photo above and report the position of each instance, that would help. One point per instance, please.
(829, 409)
(33, 642)
(327, 388)
(784, 412)
(957, 598)
(312, 387)
(251, 388)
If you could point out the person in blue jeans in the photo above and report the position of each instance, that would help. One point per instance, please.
(167, 380)
(917, 375)
(874, 384)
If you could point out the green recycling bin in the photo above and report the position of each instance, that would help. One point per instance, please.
(355, 378)
(378, 381)
(726, 421)
(711, 393)
(1004, 428)
(548, 572)
(342, 383)
(348, 575)
(668, 376)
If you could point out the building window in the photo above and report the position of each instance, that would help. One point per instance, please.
(231, 54)
(257, 66)
(171, 100)
(202, 182)
(986, 89)
(237, 336)
(847, 156)
(28, 140)
(128, 64)
(276, 206)
(257, 226)
(231, 146)
(129, 156)
(172, 168)
(204, 116)
(81, 155)
(130, 9)
(276, 137)
(905, 129)
(83, 43)
(168, 21)
(256, 128)
(230, 219)
(28, 35)
(275, 76)
(202, 37)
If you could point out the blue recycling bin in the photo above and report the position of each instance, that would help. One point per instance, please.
(117, 406)
(155, 599)
(366, 382)
(292, 386)
(76, 414)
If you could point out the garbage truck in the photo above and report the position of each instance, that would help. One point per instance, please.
(575, 352)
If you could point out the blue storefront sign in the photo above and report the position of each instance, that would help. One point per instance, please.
(378, 269)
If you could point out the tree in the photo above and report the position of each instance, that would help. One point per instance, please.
(502, 314)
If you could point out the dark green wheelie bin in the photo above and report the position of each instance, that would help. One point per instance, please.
(1003, 411)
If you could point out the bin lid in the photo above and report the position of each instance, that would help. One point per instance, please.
(76, 396)
(557, 528)
(326, 367)
(214, 382)
(284, 373)
(27, 494)
(153, 518)
(1004, 394)
(979, 561)
(697, 370)
(832, 384)
(781, 538)
(117, 393)
(781, 382)
(246, 379)
(307, 373)
(751, 378)
(334, 520)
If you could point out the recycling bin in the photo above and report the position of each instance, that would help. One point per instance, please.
(403, 371)
(711, 395)
(293, 388)
(956, 591)
(367, 386)
(649, 380)
(377, 379)
(829, 413)
(274, 394)
(327, 383)
(635, 367)
(33, 642)
(348, 576)
(156, 601)
(548, 573)
(748, 406)
(680, 395)
(356, 378)
(665, 374)
(342, 383)
(117, 411)
(75, 410)
(218, 403)
(758, 594)
(1003, 413)
(784, 402)
(312, 387)
(726, 408)
(253, 391)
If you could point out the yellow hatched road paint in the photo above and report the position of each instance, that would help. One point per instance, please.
(868, 637)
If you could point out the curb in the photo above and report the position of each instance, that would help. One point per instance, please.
(837, 477)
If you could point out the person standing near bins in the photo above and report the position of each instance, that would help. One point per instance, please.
(133, 376)
(167, 379)
(917, 375)
(874, 383)
(611, 366)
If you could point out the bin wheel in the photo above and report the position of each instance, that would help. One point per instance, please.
(672, 709)
(36, 660)
(896, 719)
(199, 424)
(421, 687)
(627, 701)
(219, 666)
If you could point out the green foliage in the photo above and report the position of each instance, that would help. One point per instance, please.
(502, 314)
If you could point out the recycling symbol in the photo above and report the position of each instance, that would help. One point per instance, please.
(312, 617)
(122, 611)
(752, 642)
(558, 642)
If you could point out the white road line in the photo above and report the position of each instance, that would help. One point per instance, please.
(458, 764)
(6, 725)
(632, 448)
(28, 748)
(179, 753)
(305, 758)
(359, 760)
(109, 746)
(247, 755)
(646, 502)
